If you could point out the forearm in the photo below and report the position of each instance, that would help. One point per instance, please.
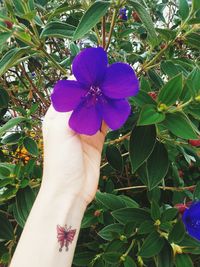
(38, 245)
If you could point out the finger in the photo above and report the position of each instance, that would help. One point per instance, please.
(104, 128)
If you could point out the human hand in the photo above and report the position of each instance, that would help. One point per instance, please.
(71, 161)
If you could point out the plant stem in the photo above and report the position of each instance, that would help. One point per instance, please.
(114, 17)
(103, 30)
(178, 189)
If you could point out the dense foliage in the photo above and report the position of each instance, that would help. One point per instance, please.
(148, 166)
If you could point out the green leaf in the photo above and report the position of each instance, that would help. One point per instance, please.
(169, 214)
(112, 257)
(193, 39)
(165, 257)
(31, 146)
(4, 172)
(192, 82)
(180, 125)
(11, 139)
(183, 9)
(126, 215)
(156, 167)
(146, 227)
(167, 34)
(155, 211)
(58, 29)
(129, 262)
(110, 201)
(142, 98)
(6, 229)
(177, 233)
(10, 124)
(4, 37)
(141, 145)
(152, 245)
(11, 58)
(150, 115)
(183, 260)
(24, 202)
(83, 258)
(4, 98)
(91, 18)
(169, 68)
(195, 5)
(111, 231)
(114, 158)
(130, 203)
(196, 194)
(147, 21)
(171, 91)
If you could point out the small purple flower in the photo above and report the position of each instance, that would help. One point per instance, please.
(122, 14)
(191, 219)
(98, 94)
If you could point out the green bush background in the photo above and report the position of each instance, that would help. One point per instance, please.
(148, 165)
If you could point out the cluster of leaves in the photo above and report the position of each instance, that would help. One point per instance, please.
(148, 166)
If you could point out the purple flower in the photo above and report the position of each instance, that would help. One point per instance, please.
(98, 94)
(122, 14)
(191, 219)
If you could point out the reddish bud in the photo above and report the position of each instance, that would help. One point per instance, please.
(195, 143)
(9, 24)
(97, 213)
(181, 173)
(182, 207)
(153, 95)
(162, 46)
(135, 16)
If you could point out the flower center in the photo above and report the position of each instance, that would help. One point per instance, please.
(95, 91)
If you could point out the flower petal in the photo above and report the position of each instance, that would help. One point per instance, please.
(86, 118)
(120, 81)
(66, 95)
(89, 66)
(115, 112)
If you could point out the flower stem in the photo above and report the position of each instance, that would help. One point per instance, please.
(114, 17)
(171, 188)
(103, 29)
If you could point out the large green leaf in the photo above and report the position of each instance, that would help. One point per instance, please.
(152, 245)
(10, 124)
(110, 201)
(195, 5)
(165, 257)
(91, 18)
(150, 115)
(4, 98)
(6, 229)
(126, 215)
(24, 202)
(183, 9)
(146, 19)
(11, 58)
(141, 145)
(31, 146)
(58, 29)
(156, 167)
(114, 158)
(4, 37)
(171, 91)
(111, 231)
(180, 125)
(183, 260)
(129, 262)
(177, 233)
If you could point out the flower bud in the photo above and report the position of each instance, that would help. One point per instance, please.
(135, 16)
(193, 142)
(9, 24)
(162, 107)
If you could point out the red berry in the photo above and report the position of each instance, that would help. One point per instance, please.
(181, 173)
(195, 143)
(153, 95)
(181, 207)
(9, 24)
(135, 16)
(97, 213)
(162, 46)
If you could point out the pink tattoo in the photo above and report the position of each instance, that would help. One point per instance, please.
(65, 236)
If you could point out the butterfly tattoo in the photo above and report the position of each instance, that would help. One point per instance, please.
(65, 236)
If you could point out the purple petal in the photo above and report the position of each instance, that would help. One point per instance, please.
(115, 112)
(86, 118)
(120, 81)
(66, 95)
(89, 66)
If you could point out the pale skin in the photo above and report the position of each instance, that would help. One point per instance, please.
(69, 184)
